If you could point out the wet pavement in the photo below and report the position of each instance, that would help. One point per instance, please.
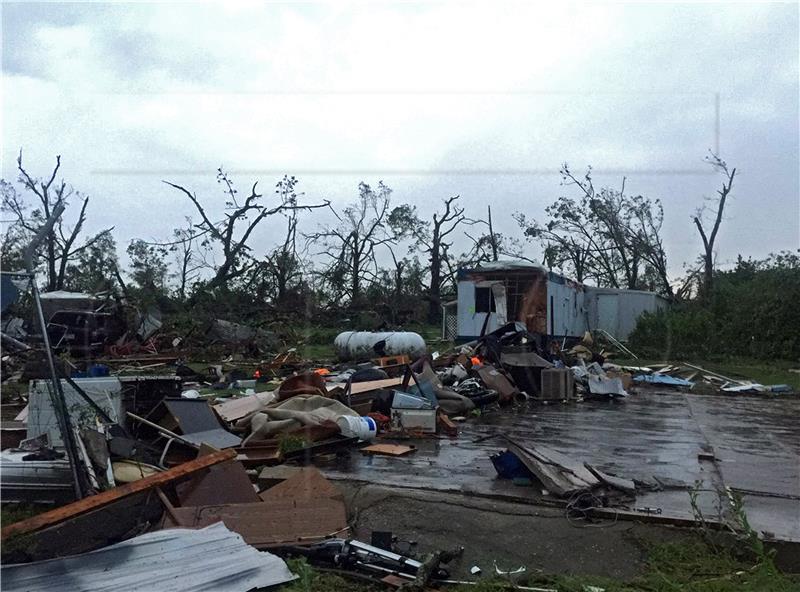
(653, 437)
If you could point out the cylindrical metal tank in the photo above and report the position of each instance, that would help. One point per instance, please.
(360, 345)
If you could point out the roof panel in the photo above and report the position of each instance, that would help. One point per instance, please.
(174, 560)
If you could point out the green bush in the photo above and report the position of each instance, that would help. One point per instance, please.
(754, 312)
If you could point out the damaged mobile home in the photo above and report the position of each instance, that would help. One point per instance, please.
(500, 292)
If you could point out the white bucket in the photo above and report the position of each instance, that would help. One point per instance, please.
(363, 428)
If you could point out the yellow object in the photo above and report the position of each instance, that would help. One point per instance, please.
(128, 471)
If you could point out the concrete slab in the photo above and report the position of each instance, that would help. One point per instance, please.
(654, 437)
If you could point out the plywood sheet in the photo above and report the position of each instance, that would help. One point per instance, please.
(274, 524)
(307, 483)
(388, 449)
(226, 483)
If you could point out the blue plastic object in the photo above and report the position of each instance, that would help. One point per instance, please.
(98, 370)
(664, 379)
(509, 466)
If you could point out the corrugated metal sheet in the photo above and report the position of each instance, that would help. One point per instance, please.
(175, 560)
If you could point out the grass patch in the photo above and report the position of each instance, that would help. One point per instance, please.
(689, 566)
(772, 372)
(312, 580)
(11, 513)
(316, 343)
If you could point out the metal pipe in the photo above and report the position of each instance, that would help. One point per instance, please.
(57, 393)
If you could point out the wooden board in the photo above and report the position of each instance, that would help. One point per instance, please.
(307, 483)
(364, 387)
(236, 409)
(274, 524)
(388, 449)
(225, 483)
(107, 497)
(560, 474)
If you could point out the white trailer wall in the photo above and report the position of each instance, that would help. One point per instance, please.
(106, 392)
(566, 313)
(617, 311)
(471, 322)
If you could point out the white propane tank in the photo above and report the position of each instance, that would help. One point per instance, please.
(359, 345)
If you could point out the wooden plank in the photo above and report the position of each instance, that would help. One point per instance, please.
(112, 495)
(364, 387)
(388, 449)
(236, 409)
(620, 483)
(168, 506)
(559, 474)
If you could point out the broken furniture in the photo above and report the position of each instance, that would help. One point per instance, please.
(194, 421)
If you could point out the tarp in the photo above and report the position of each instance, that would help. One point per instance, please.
(664, 379)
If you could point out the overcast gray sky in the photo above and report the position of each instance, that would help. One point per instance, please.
(484, 100)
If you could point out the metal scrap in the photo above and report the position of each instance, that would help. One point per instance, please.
(181, 560)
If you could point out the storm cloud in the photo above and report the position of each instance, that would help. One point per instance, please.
(484, 100)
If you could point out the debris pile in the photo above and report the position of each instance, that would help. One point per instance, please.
(151, 448)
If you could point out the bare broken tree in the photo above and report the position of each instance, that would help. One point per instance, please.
(604, 235)
(351, 246)
(231, 234)
(432, 238)
(188, 261)
(281, 271)
(61, 245)
(717, 211)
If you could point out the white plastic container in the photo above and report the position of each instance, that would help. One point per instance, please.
(363, 428)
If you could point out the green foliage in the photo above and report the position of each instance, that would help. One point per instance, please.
(604, 236)
(11, 513)
(289, 443)
(311, 580)
(148, 268)
(753, 313)
(94, 268)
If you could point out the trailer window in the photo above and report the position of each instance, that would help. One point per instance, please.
(484, 300)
